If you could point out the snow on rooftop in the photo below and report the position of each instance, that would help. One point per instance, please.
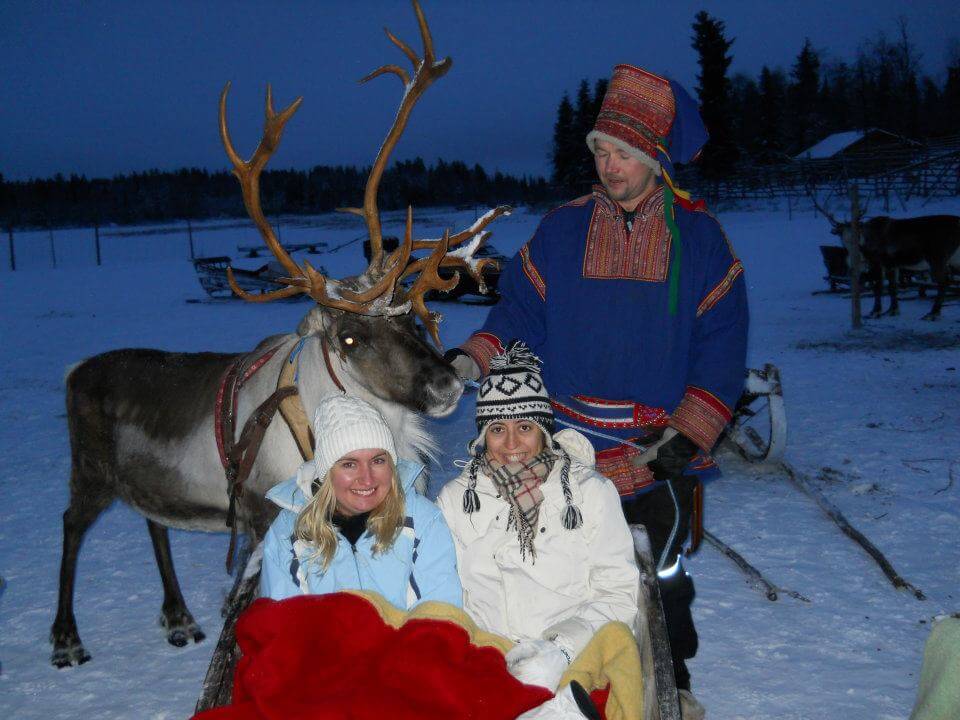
(831, 145)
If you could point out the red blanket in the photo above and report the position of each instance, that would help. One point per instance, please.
(320, 657)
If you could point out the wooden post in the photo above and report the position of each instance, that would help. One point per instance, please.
(96, 241)
(53, 250)
(13, 257)
(854, 250)
(190, 236)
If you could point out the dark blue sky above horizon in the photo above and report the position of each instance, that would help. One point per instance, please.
(100, 88)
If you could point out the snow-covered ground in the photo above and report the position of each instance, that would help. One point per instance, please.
(873, 414)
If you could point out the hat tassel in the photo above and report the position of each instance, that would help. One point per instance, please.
(572, 517)
(471, 501)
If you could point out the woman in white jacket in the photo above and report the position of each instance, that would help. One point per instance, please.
(544, 554)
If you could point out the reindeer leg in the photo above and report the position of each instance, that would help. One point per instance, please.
(174, 617)
(891, 273)
(942, 279)
(876, 276)
(84, 508)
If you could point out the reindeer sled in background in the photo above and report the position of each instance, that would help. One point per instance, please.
(893, 247)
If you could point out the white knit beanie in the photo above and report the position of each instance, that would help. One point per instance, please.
(344, 424)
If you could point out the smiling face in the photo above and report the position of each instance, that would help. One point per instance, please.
(361, 480)
(626, 178)
(510, 441)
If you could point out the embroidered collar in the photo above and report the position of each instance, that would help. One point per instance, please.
(652, 205)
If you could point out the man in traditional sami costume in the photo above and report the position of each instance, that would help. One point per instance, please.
(636, 303)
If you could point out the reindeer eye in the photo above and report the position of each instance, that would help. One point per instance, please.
(349, 341)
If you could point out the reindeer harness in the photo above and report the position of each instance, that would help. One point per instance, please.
(238, 456)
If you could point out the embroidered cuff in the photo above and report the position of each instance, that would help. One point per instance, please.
(481, 347)
(701, 417)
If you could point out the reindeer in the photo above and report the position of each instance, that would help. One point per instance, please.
(156, 429)
(929, 242)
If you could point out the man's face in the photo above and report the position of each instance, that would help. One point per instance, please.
(626, 179)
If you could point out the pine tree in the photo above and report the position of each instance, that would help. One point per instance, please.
(950, 110)
(806, 126)
(562, 158)
(906, 63)
(599, 90)
(836, 98)
(770, 111)
(712, 46)
(583, 119)
(744, 99)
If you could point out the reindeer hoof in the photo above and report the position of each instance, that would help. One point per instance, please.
(181, 637)
(930, 317)
(182, 630)
(67, 648)
(69, 656)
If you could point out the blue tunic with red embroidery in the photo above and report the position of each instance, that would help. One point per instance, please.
(592, 299)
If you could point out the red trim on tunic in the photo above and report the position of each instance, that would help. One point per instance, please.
(721, 288)
(533, 275)
(701, 416)
(614, 463)
(640, 416)
(698, 205)
(481, 347)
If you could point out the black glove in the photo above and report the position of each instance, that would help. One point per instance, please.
(673, 457)
(465, 366)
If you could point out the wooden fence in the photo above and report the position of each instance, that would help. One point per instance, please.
(893, 175)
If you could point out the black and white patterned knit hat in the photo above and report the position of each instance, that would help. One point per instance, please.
(513, 390)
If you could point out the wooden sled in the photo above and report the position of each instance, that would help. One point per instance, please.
(660, 689)
(760, 409)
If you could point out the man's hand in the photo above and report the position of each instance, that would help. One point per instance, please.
(464, 365)
(537, 662)
(668, 457)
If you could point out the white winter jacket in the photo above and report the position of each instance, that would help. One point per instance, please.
(582, 578)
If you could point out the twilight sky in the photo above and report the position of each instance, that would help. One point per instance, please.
(100, 87)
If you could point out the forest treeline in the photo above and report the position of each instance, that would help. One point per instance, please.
(769, 118)
(753, 120)
(157, 196)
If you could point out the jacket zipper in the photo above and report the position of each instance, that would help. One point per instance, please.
(356, 564)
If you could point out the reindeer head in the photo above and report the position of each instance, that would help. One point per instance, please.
(368, 319)
(843, 230)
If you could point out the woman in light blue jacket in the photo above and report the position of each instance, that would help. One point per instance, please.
(351, 519)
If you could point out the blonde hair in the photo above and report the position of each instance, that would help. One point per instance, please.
(315, 522)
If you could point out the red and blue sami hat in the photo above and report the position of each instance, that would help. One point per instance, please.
(651, 117)
(654, 119)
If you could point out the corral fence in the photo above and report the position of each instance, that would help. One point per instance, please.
(893, 176)
(109, 244)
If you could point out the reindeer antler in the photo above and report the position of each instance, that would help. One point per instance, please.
(811, 191)
(425, 71)
(371, 292)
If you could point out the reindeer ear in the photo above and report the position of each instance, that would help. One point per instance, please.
(313, 322)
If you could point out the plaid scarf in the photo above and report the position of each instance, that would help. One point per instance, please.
(519, 483)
